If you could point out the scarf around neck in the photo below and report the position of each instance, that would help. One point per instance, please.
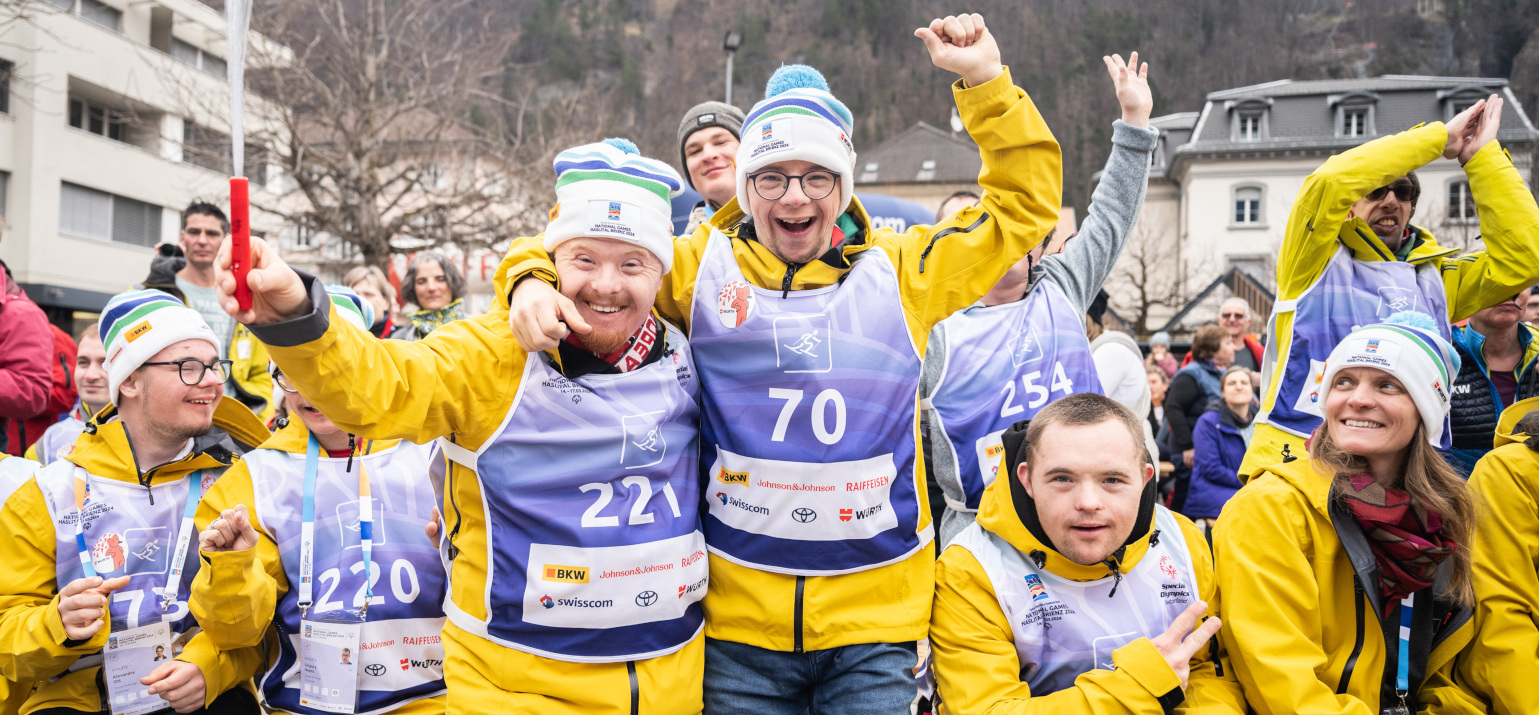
(426, 321)
(1405, 537)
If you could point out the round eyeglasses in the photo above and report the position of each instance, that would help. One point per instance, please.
(193, 369)
(816, 185)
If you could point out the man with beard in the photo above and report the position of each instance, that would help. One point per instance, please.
(572, 494)
(809, 326)
(111, 521)
(1350, 256)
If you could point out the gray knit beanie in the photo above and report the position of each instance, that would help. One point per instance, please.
(701, 116)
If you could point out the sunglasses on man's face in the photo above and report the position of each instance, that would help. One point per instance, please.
(1404, 192)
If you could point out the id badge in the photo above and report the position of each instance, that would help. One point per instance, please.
(131, 655)
(328, 670)
(1395, 710)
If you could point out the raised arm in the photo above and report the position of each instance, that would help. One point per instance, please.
(947, 267)
(1086, 261)
(453, 381)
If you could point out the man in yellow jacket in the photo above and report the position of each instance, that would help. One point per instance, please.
(809, 326)
(1499, 666)
(99, 542)
(572, 491)
(1075, 592)
(1351, 257)
(14, 472)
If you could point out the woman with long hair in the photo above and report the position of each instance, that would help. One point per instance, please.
(1346, 570)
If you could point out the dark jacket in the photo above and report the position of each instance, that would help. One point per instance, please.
(1190, 392)
(1218, 448)
(26, 345)
(1475, 404)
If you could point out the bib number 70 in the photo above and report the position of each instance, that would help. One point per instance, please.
(1036, 395)
(820, 408)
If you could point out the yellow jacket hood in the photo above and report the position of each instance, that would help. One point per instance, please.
(1507, 428)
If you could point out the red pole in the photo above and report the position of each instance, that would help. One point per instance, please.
(240, 238)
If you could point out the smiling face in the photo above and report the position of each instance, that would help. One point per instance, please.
(1369, 413)
(201, 236)
(1234, 315)
(710, 157)
(1388, 215)
(317, 423)
(432, 286)
(613, 283)
(91, 373)
(794, 228)
(171, 409)
(1087, 481)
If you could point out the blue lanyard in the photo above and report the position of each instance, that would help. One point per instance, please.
(1403, 667)
(183, 536)
(307, 530)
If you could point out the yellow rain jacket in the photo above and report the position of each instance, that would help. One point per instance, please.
(461, 381)
(249, 373)
(1509, 225)
(1504, 657)
(243, 587)
(977, 669)
(32, 640)
(14, 472)
(941, 269)
(1301, 625)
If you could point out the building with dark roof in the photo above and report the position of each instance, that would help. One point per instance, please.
(1223, 180)
(922, 164)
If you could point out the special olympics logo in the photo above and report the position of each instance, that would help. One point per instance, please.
(375, 669)
(646, 598)
(804, 515)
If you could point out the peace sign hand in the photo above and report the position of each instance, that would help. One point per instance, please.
(1178, 647)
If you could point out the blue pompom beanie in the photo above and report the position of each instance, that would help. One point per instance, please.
(798, 119)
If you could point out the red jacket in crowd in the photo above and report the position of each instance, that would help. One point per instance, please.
(26, 351)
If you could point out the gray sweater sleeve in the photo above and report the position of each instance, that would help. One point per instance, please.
(1087, 260)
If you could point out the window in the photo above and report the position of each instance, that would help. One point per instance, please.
(96, 119)
(1354, 122)
(189, 54)
(926, 170)
(1460, 105)
(6, 68)
(89, 213)
(869, 172)
(1250, 127)
(304, 236)
(1461, 206)
(1247, 206)
(5, 189)
(205, 147)
(99, 13)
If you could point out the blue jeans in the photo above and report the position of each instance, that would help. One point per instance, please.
(866, 679)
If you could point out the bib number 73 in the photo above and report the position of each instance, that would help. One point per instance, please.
(1036, 395)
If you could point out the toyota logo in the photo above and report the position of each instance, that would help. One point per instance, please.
(375, 669)
(646, 598)
(804, 515)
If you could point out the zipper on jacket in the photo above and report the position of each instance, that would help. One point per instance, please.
(630, 671)
(1116, 570)
(785, 283)
(453, 504)
(1357, 646)
(942, 234)
(801, 586)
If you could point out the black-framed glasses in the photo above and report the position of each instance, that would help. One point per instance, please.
(283, 382)
(1405, 192)
(193, 369)
(771, 185)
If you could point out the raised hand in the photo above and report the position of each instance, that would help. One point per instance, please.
(962, 44)
(232, 531)
(83, 605)
(1178, 647)
(540, 316)
(179, 683)
(1132, 83)
(277, 293)
(1461, 127)
(1484, 130)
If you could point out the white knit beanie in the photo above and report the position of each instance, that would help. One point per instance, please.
(140, 323)
(609, 190)
(1406, 345)
(798, 119)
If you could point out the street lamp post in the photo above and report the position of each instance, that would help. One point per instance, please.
(730, 43)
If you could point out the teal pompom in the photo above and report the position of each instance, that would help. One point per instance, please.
(623, 144)
(1414, 319)
(794, 77)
